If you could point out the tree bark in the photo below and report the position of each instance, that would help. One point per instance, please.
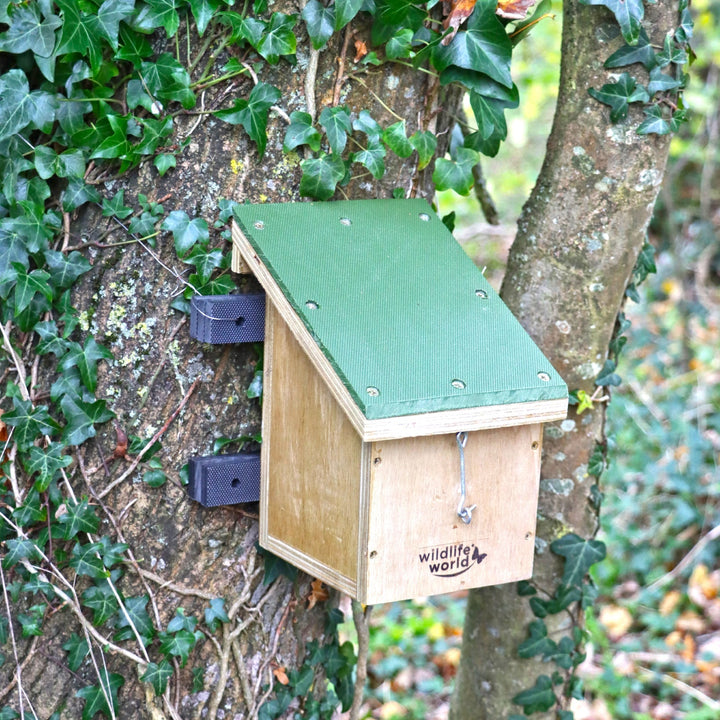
(578, 239)
(186, 554)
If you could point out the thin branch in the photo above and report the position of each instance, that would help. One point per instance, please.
(18, 666)
(19, 367)
(340, 78)
(153, 440)
(688, 560)
(361, 618)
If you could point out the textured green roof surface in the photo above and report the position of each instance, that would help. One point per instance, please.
(397, 306)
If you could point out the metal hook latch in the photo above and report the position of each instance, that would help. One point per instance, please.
(464, 513)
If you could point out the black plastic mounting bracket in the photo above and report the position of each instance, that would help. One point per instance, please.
(220, 319)
(224, 479)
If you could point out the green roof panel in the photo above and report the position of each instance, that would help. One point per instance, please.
(404, 317)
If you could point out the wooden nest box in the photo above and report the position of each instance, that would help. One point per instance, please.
(392, 372)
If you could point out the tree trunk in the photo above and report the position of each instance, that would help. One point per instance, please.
(189, 394)
(578, 239)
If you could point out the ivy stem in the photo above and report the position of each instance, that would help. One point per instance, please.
(202, 84)
(389, 109)
(420, 69)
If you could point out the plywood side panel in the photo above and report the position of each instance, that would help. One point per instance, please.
(311, 460)
(417, 545)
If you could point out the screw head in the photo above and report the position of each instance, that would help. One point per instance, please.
(458, 384)
(345, 221)
(312, 305)
(544, 376)
(259, 225)
(481, 294)
(424, 217)
(372, 391)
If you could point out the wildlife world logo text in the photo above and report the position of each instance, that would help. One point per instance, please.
(451, 560)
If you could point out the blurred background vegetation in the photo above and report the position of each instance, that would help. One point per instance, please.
(655, 631)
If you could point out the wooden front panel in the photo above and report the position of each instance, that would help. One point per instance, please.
(417, 545)
(311, 465)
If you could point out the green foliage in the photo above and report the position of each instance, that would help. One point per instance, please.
(663, 114)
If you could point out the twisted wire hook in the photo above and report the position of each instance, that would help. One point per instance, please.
(464, 513)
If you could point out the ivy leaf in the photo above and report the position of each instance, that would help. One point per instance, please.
(77, 193)
(77, 649)
(109, 15)
(178, 644)
(320, 22)
(425, 143)
(642, 52)
(203, 11)
(19, 549)
(134, 48)
(86, 360)
(29, 422)
(154, 132)
(82, 417)
(628, 13)
(321, 176)
(205, 262)
(484, 47)
(278, 38)
(186, 232)
(96, 696)
(456, 174)
(79, 33)
(164, 162)
(608, 376)
(579, 556)
(65, 269)
(115, 206)
(301, 132)
(685, 31)
(373, 158)
(538, 642)
(31, 622)
(135, 613)
(654, 122)
(46, 464)
(115, 143)
(14, 103)
(489, 110)
(365, 123)
(28, 32)
(391, 15)
(539, 698)
(252, 113)
(619, 95)
(154, 478)
(167, 79)
(395, 137)
(159, 13)
(181, 621)
(659, 82)
(671, 53)
(112, 553)
(400, 44)
(102, 601)
(337, 124)
(345, 11)
(86, 560)
(215, 614)
(158, 674)
(78, 517)
(30, 284)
